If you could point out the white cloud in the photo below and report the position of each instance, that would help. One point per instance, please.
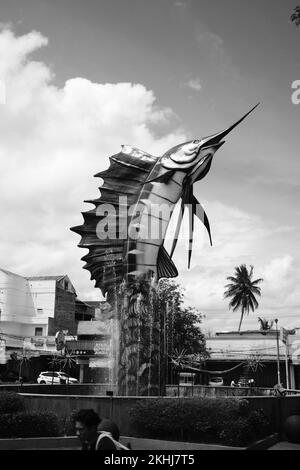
(238, 237)
(278, 271)
(194, 84)
(282, 278)
(53, 140)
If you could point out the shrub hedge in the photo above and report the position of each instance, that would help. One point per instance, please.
(43, 424)
(15, 422)
(11, 402)
(67, 424)
(206, 420)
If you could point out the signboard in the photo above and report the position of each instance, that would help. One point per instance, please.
(284, 333)
(294, 349)
(2, 351)
(102, 362)
(102, 348)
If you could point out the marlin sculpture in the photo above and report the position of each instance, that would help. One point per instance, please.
(134, 184)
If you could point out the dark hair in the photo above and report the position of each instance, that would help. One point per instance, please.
(88, 417)
(110, 426)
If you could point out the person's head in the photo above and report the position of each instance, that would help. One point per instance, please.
(109, 426)
(86, 423)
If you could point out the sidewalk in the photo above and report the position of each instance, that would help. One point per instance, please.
(158, 444)
(284, 445)
(72, 443)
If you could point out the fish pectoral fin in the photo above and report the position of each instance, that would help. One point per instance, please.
(163, 177)
(199, 212)
(165, 266)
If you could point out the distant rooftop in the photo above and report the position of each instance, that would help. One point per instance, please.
(9, 272)
(246, 332)
(88, 304)
(95, 303)
(46, 278)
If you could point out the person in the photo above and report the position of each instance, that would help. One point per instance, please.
(92, 435)
(110, 429)
(279, 390)
(232, 383)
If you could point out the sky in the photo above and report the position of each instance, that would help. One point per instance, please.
(79, 79)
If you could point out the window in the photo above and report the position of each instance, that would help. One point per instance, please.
(38, 331)
(186, 378)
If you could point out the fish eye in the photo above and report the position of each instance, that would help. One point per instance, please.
(196, 141)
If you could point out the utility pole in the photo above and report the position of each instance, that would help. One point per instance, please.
(278, 361)
(287, 367)
(284, 335)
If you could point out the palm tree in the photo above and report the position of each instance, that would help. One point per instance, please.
(295, 17)
(265, 324)
(54, 361)
(23, 360)
(242, 290)
(68, 361)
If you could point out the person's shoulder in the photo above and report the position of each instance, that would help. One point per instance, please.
(105, 442)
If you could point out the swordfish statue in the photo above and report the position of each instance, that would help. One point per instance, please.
(125, 233)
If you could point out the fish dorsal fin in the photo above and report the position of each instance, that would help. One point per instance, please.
(128, 170)
(165, 266)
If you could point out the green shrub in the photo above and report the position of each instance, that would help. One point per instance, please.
(67, 424)
(11, 402)
(210, 420)
(35, 424)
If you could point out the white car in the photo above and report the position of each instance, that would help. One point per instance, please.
(216, 381)
(49, 377)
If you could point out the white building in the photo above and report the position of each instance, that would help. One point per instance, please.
(269, 348)
(32, 310)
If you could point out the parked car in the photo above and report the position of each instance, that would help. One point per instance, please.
(216, 381)
(49, 377)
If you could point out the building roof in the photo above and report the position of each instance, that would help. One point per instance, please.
(46, 278)
(95, 303)
(35, 278)
(10, 273)
(240, 348)
(271, 332)
(88, 304)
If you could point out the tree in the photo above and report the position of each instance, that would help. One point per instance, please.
(54, 361)
(295, 17)
(265, 324)
(242, 291)
(23, 359)
(181, 330)
(254, 363)
(187, 334)
(182, 323)
(68, 361)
